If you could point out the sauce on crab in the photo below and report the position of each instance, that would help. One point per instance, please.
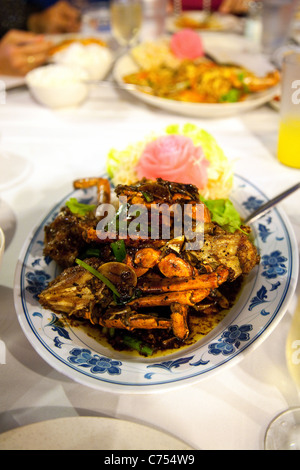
(200, 325)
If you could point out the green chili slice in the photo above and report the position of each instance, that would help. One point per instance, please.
(137, 345)
(119, 250)
(91, 252)
(78, 207)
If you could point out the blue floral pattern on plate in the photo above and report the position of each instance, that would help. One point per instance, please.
(260, 307)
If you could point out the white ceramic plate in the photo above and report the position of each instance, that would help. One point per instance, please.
(88, 433)
(222, 22)
(126, 65)
(260, 307)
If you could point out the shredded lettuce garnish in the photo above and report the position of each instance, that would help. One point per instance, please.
(78, 207)
(120, 164)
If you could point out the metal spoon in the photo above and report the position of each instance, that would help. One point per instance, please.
(265, 207)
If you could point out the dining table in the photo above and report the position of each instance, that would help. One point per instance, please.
(228, 410)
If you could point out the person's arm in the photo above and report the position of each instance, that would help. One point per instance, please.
(59, 18)
(22, 51)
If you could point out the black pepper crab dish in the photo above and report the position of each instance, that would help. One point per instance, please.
(150, 295)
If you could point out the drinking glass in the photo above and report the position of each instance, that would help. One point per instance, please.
(283, 432)
(95, 18)
(177, 7)
(207, 7)
(126, 21)
(289, 128)
(277, 16)
(154, 19)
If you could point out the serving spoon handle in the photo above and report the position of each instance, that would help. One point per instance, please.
(265, 207)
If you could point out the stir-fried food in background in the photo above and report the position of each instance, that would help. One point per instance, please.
(151, 289)
(210, 21)
(86, 41)
(202, 81)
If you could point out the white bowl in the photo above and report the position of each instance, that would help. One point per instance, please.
(2, 244)
(95, 59)
(58, 86)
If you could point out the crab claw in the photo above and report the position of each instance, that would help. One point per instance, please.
(179, 314)
(102, 184)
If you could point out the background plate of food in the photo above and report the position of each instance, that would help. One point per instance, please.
(275, 102)
(76, 320)
(201, 21)
(175, 74)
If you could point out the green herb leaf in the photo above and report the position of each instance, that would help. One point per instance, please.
(79, 208)
(232, 96)
(119, 250)
(99, 276)
(224, 213)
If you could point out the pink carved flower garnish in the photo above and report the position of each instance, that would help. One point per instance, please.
(187, 44)
(174, 158)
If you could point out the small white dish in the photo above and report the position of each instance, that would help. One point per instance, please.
(95, 59)
(58, 86)
(2, 244)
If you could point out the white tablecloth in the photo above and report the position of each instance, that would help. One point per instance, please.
(230, 410)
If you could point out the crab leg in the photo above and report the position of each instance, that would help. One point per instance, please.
(131, 320)
(102, 184)
(179, 315)
(202, 281)
(190, 297)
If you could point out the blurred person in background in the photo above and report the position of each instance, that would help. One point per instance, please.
(23, 24)
(223, 6)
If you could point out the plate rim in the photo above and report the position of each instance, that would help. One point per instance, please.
(66, 369)
(194, 109)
